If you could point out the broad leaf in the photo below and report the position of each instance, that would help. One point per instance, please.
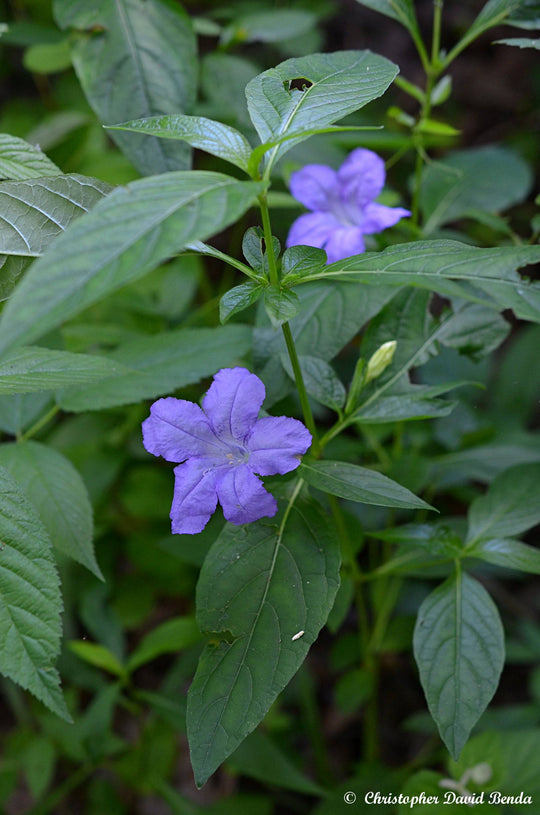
(126, 235)
(273, 25)
(223, 81)
(459, 649)
(238, 298)
(169, 637)
(475, 331)
(58, 494)
(21, 410)
(19, 160)
(30, 600)
(508, 553)
(335, 86)
(34, 211)
(413, 403)
(359, 484)
(484, 178)
(160, 364)
(264, 592)
(281, 305)
(320, 380)
(437, 264)
(205, 134)
(511, 506)
(134, 58)
(25, 370)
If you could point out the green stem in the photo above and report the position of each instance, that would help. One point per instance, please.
(436, 35)
(267, 228)
(39, 424)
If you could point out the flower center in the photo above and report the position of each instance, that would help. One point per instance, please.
(238, 455)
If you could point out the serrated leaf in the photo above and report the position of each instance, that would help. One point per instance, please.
(320, 380)
(485, 178)
(128, 233)
(239, 298)
(34, 211)
(508, 553)
(206, 134)
(359, 484)
(459, 649)
(281, 305)
(260, 586)
(134, 58)
(511, 506)
(167, 638)
(19, 160)
(336, 85)
(437, 265)
(30, 600)
(97, 655)
(160, 364)
(58, 494)
(25, 370)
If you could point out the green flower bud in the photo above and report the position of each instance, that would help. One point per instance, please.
(380, 360)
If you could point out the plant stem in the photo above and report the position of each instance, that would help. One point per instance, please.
(39, 424)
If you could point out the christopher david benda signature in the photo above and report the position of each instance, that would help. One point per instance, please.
(448, 797)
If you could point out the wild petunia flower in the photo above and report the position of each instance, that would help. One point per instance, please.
(223, 446)
(343, 205)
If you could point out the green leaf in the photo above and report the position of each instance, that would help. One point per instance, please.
(223, 80)
(511, 506)
(437, 264)
(336, 85)
(167, 638)
(493, 13)
(58, 494)
(475, 331)
(261, 585)
(20, 411)
(400, 10)
(30, 600)
(134, 58)
(259, 757)
(255, 250)
(413, 403)
(25, 370)
(239, 298)
(320, 380)
(359, 484)
(205, 134)
(269, 26)
(20, 160)
(509, 554)
(97, 655)
(160, 364)
(11, 270)
(126, 235)
(485, 178)
(301, 261)
(459, 649)
(520, 42)
(526, 14)
(48, 57)
(281, 305)
(35, 211)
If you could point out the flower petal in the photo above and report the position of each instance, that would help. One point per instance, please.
(315, 186)
(177, 429)
(233, 401)
(243, 496)
(312, 229)
(345, 242)
(378, 217)
(361, 177)
(276, 444)
(195, 497)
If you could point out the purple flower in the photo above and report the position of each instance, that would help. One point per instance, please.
(342, 204)
(222, 447)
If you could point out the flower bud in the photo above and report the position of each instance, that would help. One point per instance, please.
(481, 773)
(380, 360)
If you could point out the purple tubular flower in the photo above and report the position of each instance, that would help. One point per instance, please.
(222, 447)
(342, 204)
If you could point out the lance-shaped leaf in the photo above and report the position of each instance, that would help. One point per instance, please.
(400, 10)
(134, 58)
(58, 494)
(459, 649)
(508, 553)
(264, 592)
(34, 211)
(359, 484)
(511, 506)
(126, 235)
(25, 370)
(19, 160)
(30, 600)
(437, 265)
(334, 85)
(156, 366)
(205, 134)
